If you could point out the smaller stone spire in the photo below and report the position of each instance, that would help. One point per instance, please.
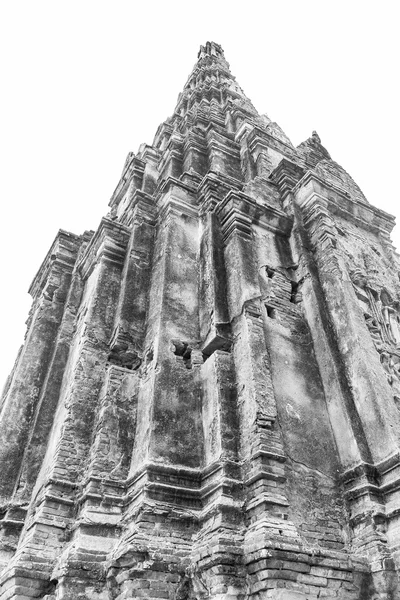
(312, 151)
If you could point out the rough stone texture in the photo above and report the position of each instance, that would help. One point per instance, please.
(207, 401)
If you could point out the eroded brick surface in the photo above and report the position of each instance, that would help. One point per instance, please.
(207, 401)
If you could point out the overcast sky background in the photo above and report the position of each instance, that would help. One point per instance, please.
(85, 82)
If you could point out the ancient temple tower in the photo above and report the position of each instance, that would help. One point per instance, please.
(206, 405)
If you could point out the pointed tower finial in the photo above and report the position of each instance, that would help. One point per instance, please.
(210, 49)
(315, 137)
(211, 77)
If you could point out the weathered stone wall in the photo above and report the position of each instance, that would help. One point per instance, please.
(207, 401)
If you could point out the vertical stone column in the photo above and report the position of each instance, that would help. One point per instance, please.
(69, 445)
(36, 444)
(151, 156)
(373, 410)
(219, 420)
(164, 483)
(223, 153)
(366, 378)
(111, 450)
(246, 159)
(217, 551)
(50, 289)
(116, 417)
(260, 442)
(100, 503)
(258, 146)
(349, 436)
(261, 445)
(171, 163)
(215, 331)
(195, 155)
(169, 427)
(130, 319)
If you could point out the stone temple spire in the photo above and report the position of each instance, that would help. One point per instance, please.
(210, 80)
(206, 405)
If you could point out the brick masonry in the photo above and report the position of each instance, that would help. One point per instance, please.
(206, 404)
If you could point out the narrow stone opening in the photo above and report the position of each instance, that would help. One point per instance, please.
(294, 292)
(49, 589)
(123, 357)
(184, 350)
(270, 272)
(271, 312)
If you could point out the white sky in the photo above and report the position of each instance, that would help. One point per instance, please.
(84, 82)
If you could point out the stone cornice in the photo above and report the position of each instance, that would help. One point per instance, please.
(363, 469)
(214, 187)
(173, 194)
(235, 213)
(194, 141)
(62, 254)
(215, 144)
(109, 242)
(239, 212)
(142, 202)
(164, 130)
(183, 486)
(173, 151)
(243, 130)
(218, 145)
(237, 111)
(135, 169)
(261, 135)
(286, 175)
(381, 480)
(392, 462)
(364, 215)
(149, 154)
(168, 183)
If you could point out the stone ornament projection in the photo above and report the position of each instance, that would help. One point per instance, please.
(207, 401)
